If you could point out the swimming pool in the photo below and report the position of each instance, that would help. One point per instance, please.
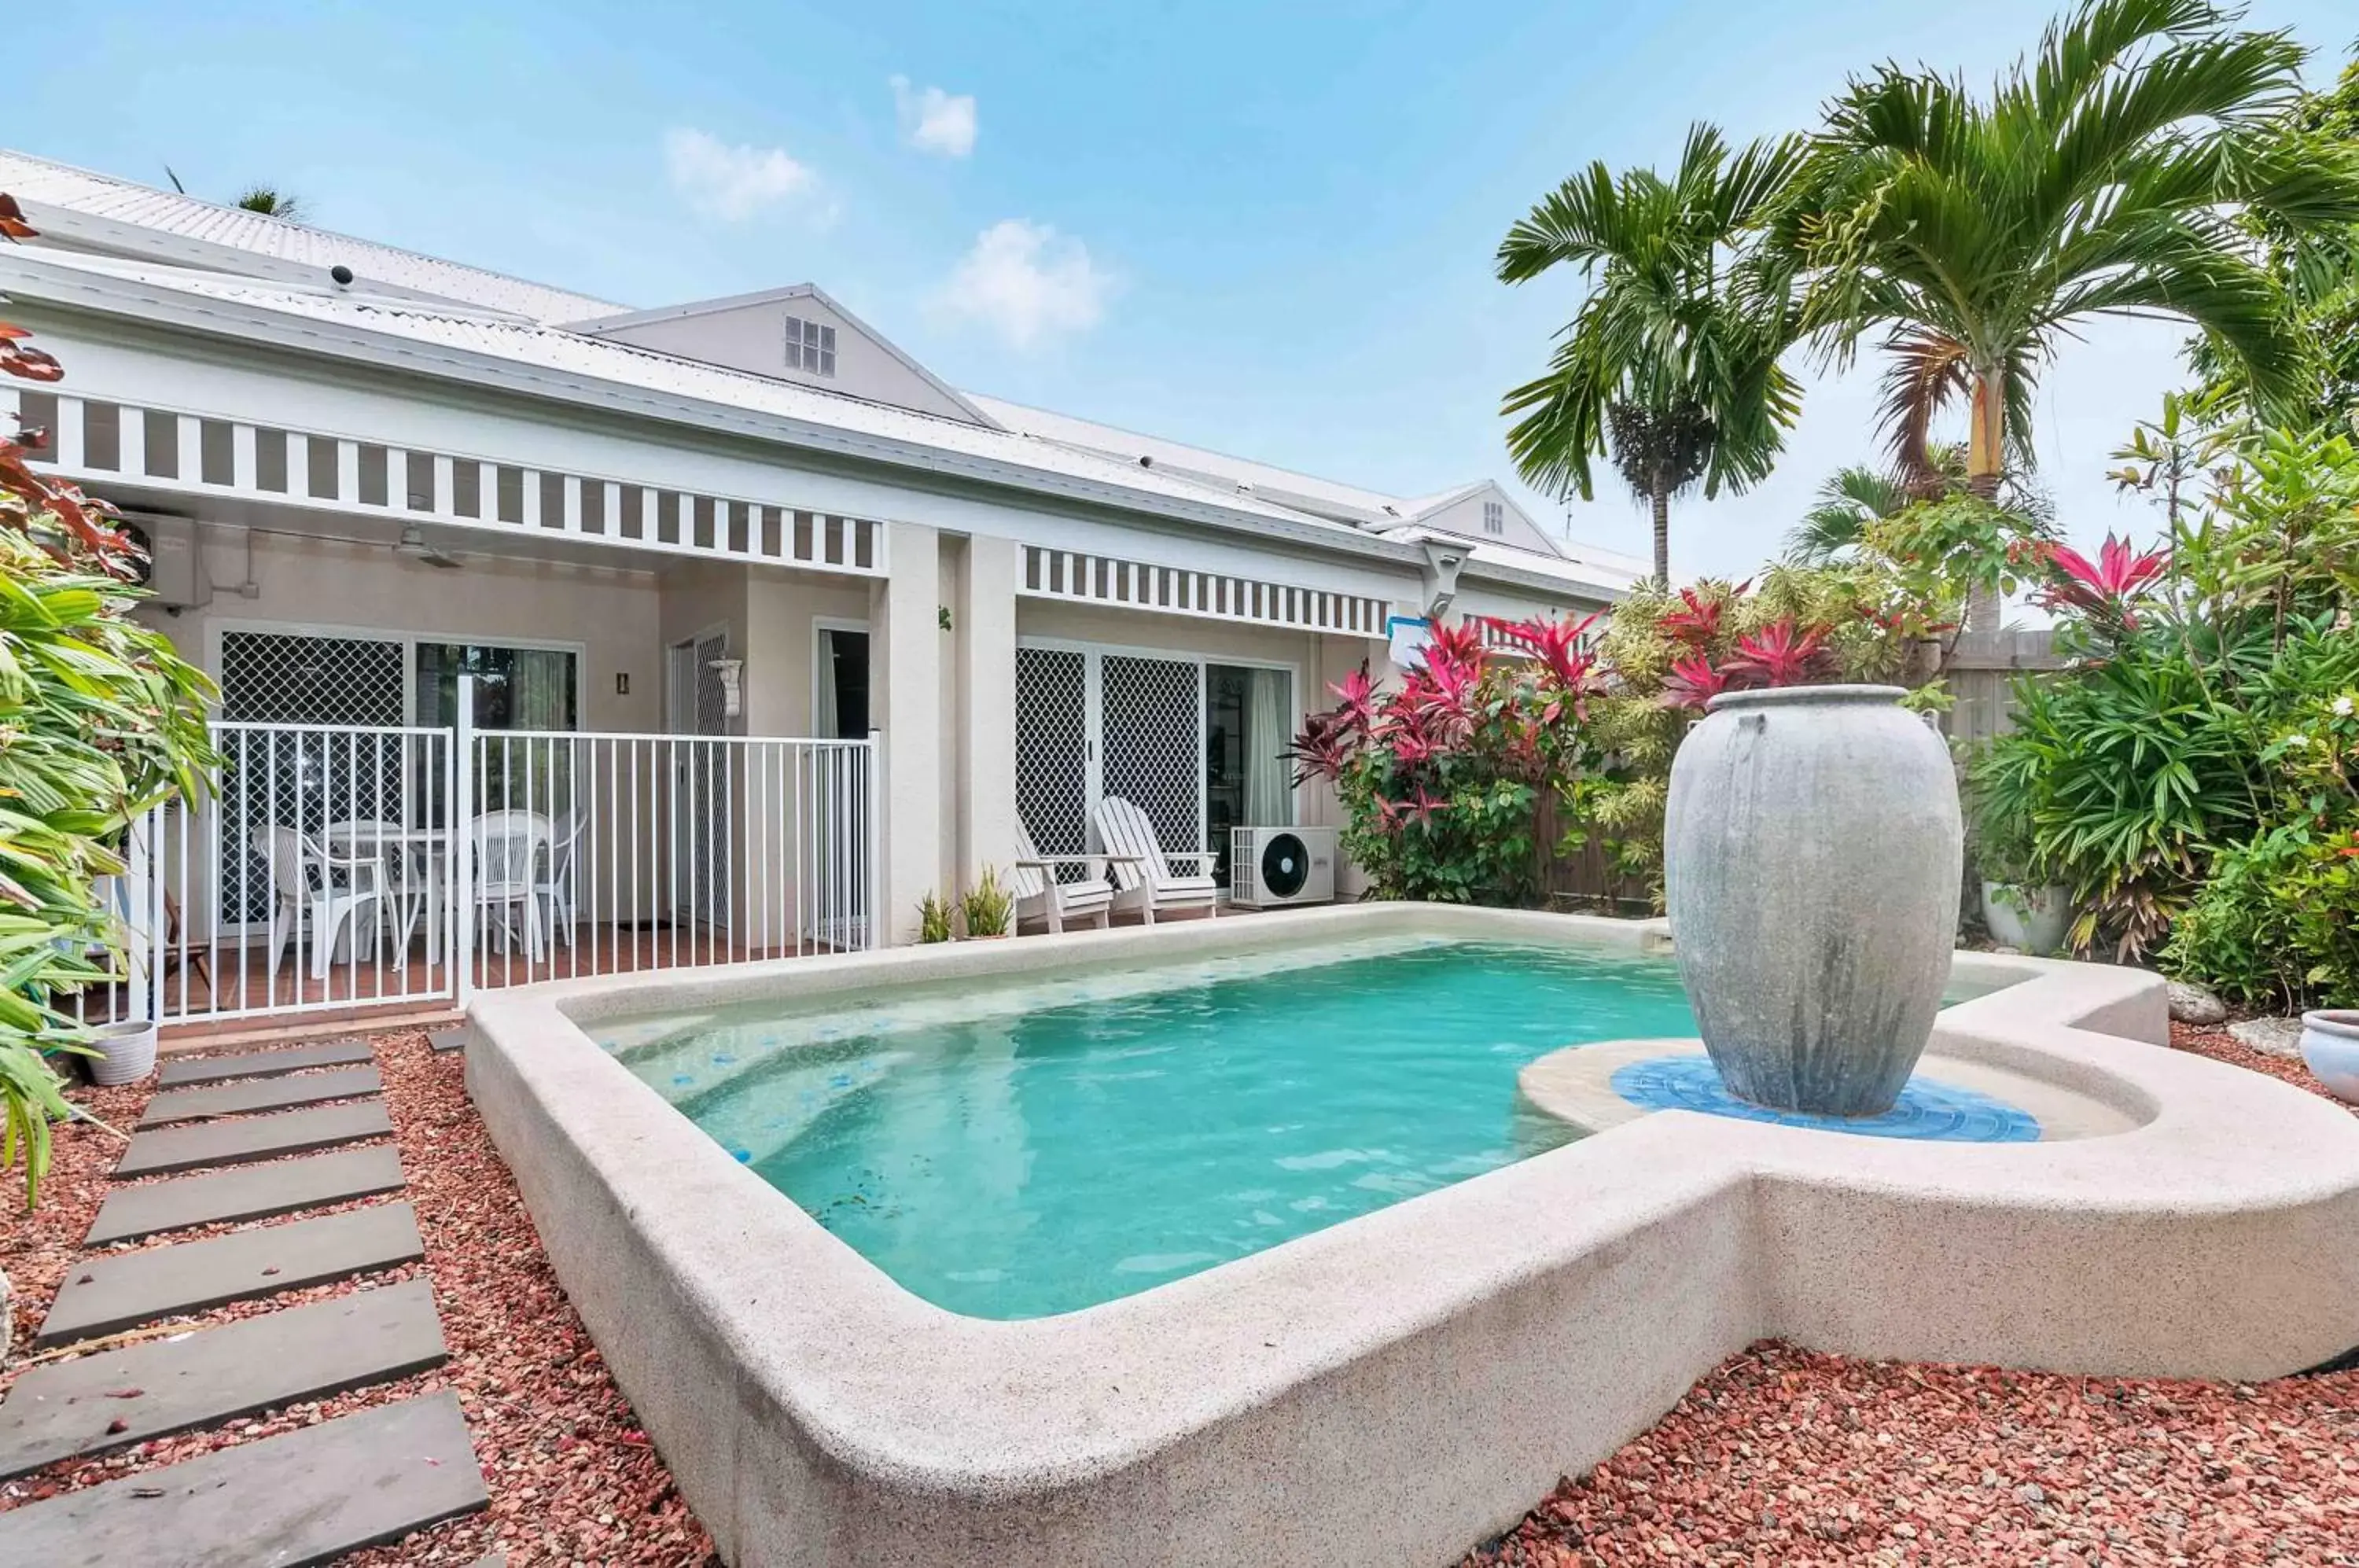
(1023, 1150)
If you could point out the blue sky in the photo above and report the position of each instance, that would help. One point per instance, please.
(1263, 228)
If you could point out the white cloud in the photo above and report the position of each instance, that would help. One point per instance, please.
(1027, 283)
(732, 183)
(933, 120)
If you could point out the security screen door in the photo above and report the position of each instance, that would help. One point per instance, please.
(1091, 722)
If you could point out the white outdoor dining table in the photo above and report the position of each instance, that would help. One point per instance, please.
(428, 848)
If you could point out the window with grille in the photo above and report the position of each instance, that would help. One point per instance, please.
(1495, 517)
(811, 347)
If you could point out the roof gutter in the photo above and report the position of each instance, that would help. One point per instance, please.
(105, 293)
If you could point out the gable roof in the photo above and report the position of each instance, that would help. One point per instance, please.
(73, 207)
(602, 325)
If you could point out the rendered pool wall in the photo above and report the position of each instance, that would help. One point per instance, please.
(1390, 1391)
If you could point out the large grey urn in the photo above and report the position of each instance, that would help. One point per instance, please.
(1812, 849)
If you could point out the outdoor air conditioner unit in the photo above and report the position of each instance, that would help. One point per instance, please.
(175, 571)
(1270, 866)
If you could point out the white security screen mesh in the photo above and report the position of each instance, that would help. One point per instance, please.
(1052, 785)
(1153, 726)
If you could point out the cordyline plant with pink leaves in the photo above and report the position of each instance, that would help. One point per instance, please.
(1442, 773)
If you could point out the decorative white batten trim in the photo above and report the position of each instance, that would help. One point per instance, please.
(97, 442)
(1138, 585)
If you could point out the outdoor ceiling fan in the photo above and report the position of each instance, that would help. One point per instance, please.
(413, 545)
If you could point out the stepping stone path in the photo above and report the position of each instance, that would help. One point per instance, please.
(160, 1151)
(260, 1095)
(308, 1496)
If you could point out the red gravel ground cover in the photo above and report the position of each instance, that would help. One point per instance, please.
(1783, 1457)
(1779, 1456)
(572, 1478)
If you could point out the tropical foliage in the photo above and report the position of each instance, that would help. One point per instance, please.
(1670, 366)
(2189, 777)
(2110, 173)
(101, 721)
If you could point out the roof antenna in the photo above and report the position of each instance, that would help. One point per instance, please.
(175, 180)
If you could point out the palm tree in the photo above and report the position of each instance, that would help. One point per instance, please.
(1670, 366)
(2104, 176)
(270, 200)
(1851, 498)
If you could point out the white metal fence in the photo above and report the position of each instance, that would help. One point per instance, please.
(340, 867)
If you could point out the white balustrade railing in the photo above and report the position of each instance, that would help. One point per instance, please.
(344, 866)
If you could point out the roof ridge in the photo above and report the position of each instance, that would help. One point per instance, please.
(125, 183)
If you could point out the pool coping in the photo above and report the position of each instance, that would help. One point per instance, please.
(1389, 1389)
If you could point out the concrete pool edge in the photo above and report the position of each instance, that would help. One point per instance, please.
(1390, 1389)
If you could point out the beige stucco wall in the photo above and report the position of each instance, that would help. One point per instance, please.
(326, 584)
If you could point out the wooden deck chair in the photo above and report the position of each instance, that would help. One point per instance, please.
(1040, 894)
(1144, 876)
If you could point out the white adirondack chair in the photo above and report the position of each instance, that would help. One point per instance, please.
(1041, 895)
(1144, 876)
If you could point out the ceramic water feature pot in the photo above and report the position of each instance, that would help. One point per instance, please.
(2330, 1043)
(1813, 853)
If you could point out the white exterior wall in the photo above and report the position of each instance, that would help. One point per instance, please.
(610, 616)
(753, 337)
(1465, 519)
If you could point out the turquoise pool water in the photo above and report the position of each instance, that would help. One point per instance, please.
(1012, 1153)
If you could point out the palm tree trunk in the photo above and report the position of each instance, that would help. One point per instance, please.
(1661, 499)
(1985, 464)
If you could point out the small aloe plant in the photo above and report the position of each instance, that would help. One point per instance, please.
(988, 907)
(933, 919)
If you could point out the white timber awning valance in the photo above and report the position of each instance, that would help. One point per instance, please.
(1171, 590)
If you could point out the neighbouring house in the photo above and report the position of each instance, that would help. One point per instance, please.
(770, 631)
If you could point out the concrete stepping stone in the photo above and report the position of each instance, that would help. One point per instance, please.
(245, 1096)
(306, 1498)
(159, 1150)
(108, 1294)
(175, 1074)
(246, 1193)
(164, 1386)
(448, 1039)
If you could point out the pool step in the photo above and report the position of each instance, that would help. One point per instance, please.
(246, 1193)
(306, 1498)
(164, 1386)
(108, 1294)
(245, 1097)
(175, 1074)
(160, 1151)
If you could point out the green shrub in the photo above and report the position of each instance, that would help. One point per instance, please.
(2239, 936)
(987, 906)
(933, 919)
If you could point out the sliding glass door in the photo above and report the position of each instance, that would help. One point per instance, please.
(1199, 746)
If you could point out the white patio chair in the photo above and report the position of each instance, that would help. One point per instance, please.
(555, 887)
(403, 903)
(1041, 896)
(508, 846)
(328, 893)
(1143, 874)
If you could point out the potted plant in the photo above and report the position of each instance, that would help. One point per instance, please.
(933, 919)
(2023, 905)
(988, 907)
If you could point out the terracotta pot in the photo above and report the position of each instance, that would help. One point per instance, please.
(1813, 853)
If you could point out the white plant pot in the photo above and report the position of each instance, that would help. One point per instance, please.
(127, 1054)
(2330, 1043)
(1813, 851)
(2029, 919)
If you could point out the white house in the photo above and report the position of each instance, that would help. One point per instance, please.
(734, 536)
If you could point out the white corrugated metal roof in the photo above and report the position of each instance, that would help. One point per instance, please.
(79, 209)
(598, 359)
(1330, 498)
